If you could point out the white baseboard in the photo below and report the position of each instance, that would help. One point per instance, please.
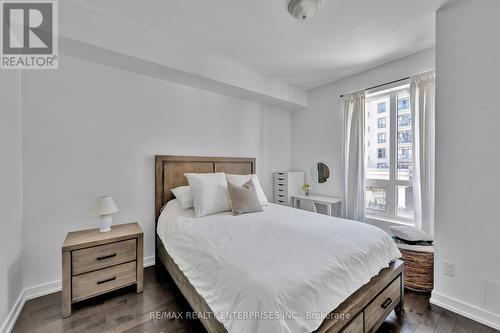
(467, 310)
(149, 261)
(9, 322)
(41, 290)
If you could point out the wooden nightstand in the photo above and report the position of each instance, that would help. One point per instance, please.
(94, 262)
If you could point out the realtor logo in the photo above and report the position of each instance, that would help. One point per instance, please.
(29, 35)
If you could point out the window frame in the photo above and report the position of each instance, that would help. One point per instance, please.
(390, 185)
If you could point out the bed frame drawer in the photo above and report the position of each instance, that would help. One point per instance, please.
(98, 257)
(382, 305)
(355, 325)
(98, 282)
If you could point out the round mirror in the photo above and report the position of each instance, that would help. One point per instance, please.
(321, 172)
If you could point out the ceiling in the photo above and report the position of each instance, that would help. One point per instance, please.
(344, 38)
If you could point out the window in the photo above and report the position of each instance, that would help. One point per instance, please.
(381, 138)
(389, 169)
(404, 120)
(381, 107)
(381, 122)
(404, 136)
(404, 103)
(375, 198)
(404, 154)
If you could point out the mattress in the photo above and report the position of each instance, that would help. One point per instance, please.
(280, 270)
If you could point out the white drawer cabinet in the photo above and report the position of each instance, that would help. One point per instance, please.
(286, 184)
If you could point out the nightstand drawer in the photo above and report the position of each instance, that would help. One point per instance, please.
(94, 283)
(102, 256)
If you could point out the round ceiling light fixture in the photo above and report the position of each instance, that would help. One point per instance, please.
(303, 9)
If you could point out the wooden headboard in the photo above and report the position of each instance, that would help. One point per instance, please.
(170, 172)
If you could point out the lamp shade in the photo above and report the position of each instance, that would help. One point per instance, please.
(106, 206)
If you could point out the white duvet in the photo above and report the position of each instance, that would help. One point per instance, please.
(280, 270)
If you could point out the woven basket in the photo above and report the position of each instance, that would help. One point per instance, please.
(418, 267)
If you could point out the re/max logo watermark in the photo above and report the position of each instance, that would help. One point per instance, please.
(29, 33)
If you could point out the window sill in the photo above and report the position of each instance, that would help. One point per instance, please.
(385, 223)
(388, 220)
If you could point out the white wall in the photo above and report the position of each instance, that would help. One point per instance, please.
(317, 130)
(11, 244)
(91, 130)
(467, 155)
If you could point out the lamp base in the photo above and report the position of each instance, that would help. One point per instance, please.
(106, 221)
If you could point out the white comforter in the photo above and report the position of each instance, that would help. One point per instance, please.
(288, 265)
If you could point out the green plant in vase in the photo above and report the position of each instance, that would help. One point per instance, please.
(307, 189)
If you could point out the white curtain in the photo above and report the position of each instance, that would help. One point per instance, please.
(354, 164)
(422, 95)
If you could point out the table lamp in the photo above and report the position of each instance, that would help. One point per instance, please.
(105, 207)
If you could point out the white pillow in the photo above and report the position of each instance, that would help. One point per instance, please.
(409, 233)
(209, 193)
(239, 180)
(184, 196)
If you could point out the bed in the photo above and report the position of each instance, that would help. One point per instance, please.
(360, 299)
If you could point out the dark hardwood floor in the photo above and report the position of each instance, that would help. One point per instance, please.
(126, 311)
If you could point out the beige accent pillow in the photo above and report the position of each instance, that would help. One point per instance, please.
(242, 179)
(243, 199)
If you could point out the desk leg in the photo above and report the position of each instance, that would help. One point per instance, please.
(329, 209)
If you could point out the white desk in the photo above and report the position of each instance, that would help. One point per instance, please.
(322, 200)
